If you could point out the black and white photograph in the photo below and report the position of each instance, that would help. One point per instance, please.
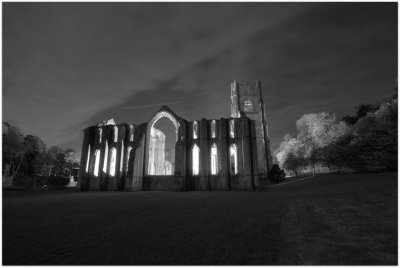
(199, 133)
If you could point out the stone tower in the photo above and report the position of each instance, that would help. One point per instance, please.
(247, 99)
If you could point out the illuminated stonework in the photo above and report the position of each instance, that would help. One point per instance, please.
(216, 154)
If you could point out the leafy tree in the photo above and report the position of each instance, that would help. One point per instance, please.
(13, 151)
(56, 160)
(294, 163)
(35, 154)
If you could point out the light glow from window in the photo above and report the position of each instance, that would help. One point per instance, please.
(97, 163)
(113, 161)
(115, 134)
(232, 128)
(122, 157)
(128, 154)
(195, 130)
(195, 159)
(105, 158)
(233, 159)
(213, 132)
(88, 160)
(131, 132)
(214, 159)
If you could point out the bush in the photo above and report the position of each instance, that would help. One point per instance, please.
(276, 174)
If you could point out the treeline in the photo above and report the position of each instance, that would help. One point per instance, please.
(27, 157)
(364, 142)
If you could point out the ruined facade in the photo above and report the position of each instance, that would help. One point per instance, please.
(217, 154)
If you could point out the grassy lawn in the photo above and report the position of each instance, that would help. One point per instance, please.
(329, 219)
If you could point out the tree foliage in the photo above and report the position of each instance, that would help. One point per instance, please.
(366, 142)
(276, 174)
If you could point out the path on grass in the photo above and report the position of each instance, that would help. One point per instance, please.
(332, 219)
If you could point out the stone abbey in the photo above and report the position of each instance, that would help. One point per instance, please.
(218, 154)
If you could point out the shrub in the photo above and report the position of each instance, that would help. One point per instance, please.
(276, 174)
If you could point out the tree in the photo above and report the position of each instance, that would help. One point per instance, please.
(276, 174)
(35, 154)
(13, 151)
(56, 160)
(294, 163)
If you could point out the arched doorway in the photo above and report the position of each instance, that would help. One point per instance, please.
(162, 134)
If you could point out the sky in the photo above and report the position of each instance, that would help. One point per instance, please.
(67, 66)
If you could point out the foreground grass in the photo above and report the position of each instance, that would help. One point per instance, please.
(330, 219)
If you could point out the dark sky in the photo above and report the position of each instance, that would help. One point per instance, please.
(67, 66)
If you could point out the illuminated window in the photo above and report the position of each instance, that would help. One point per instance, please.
(248, 106)
(233, 166)
(97, 163)
(213, 132)
(115, 134)
(99, 133)
(131, 132)
(113, 161)
(105, 158)
(195, 130)
(122, 157)
(128, 154)
(195, 160)
(232, 128)
(214, 159)
(88, 160)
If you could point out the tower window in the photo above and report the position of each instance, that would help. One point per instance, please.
(214, 159)
(213, 132)
(195, 130)
(122, 157)
(232, 128)
(248, 106)
(115, 134)
(233, 165)
(195, 159)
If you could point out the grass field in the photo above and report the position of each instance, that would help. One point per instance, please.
(329, 219)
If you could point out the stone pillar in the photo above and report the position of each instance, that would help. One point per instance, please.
(246, 178)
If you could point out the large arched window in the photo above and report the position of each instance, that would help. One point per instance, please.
(115, 134)
(213, 129)
(131, 132)
(97, 163)
(88, 160)
(105, 158)
(113, 161)
(128, 154)
(232, 128)
(214, 159)
(233, 165)
(195, 159)
(195, 130)
(122, 157)
(99, 134)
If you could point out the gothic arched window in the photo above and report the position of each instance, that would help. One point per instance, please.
(105, 158)
(88, 160)
(122, 157)
(195, 130)
(248, 106)
(213, 129)
(131, 132)
(113, 161)
(195, 159)
(128, 154)
(96, 163)
(115, 134)
(214, 159)
(232, 128)
(233, 165)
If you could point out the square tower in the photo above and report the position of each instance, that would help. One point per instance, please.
(247, 99)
